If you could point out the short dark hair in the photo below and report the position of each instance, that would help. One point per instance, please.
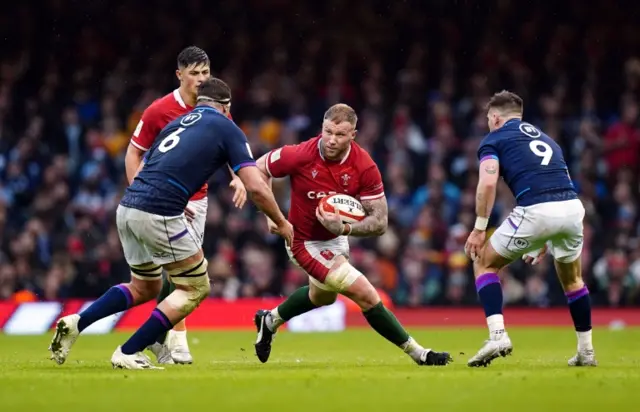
(341, 112)
(192, 55)
(214, 89)
(506, 101)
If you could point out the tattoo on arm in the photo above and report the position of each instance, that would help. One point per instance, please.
(491, 169)
(375, 224)
(486, 191)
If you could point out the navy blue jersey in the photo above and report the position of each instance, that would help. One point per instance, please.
(531, 163)
(184, 156)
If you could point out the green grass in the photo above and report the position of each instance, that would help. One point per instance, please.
(350, 371)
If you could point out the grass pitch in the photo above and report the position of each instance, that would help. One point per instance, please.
(349, 371)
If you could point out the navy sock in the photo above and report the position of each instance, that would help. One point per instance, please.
(580, 308)
(156, 324)
(116, 299)
(162, 338)
(490, 293)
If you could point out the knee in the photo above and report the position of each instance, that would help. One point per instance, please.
(483, 265)
(367, 304)
(573, 285)
(480, 268)
(204, 290)
(192, 287)
(369, 299)
(363, 294)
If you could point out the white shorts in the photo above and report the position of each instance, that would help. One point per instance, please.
(199, 207)
(316, 257)
(559, 224)
(146, 237)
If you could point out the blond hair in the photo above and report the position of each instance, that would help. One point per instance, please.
(341, 112)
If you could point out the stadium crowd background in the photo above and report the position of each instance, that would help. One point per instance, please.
(76, 76)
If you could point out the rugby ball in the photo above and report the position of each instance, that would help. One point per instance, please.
(349, 208)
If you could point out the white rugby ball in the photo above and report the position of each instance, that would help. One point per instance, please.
(348, 207)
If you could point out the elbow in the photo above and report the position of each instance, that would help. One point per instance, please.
(265, 176)
(382, 228)
(380, 231)
(256, 187)
(128, 156)
(262, 167)
(488, 185)
(133, 156)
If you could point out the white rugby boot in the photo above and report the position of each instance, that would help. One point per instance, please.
(64, 337)
(136, 361)
(491, 350)
(584, 358)
(162, 353)
(179, 347)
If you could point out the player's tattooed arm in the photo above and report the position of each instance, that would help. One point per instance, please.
(375, 224)
(487, 184)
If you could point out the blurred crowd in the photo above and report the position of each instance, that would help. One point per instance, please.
(75, 78)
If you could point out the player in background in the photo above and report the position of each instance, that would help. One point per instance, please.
(328, 164)
(548, 216)
(155, 233)
(193, 68)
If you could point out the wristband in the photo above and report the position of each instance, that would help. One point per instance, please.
(346, 229)
(481, 223)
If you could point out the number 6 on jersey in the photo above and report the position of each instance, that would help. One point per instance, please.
(170, 141)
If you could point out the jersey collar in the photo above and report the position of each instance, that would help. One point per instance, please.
(207, 108)
(176, 95)
(344, 159)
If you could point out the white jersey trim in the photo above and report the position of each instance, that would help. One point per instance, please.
(266, 163)
(372, 197)
(144, 149)
(176, 95)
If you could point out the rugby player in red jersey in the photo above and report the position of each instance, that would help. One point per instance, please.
(193, 69)
(328, 164)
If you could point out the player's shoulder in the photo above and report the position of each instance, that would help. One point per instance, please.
(169, 102)
(309, 149)
(360, 158)
(512, 129)
(311, 145)
(496, 136)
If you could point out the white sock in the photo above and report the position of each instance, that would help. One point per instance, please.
(584, 341)
(180, 337)
(177, 338)
(274, 321)
(496, 326)
(413, 349)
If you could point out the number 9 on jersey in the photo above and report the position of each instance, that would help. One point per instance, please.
(543, 150)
